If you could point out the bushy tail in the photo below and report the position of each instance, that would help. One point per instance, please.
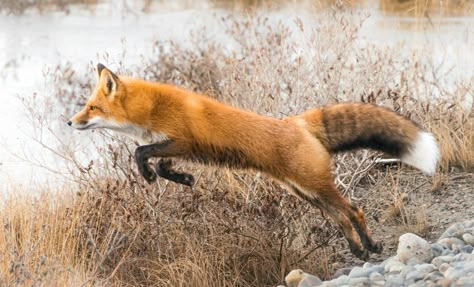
(343, 127)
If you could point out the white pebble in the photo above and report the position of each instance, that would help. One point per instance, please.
(413, 246)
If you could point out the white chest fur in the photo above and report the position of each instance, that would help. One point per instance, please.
(143, 136)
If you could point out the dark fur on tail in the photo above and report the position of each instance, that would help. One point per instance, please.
(351, 126)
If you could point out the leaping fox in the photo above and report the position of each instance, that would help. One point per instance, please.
(170, 122)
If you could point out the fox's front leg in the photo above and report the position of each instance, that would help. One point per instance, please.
(164, 168)
(168, 148)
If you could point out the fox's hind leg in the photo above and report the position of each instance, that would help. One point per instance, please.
(342, 221)
(339, 218)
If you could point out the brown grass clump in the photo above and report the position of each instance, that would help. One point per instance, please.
(122, 233)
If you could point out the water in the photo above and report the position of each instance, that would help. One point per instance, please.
(31, 44)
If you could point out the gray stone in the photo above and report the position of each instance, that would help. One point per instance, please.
(394, 281)
(468, 238)
(342, 271)
(464, 257)
(454, 273)
(467, 249)
(447, 252)
(378, 268)
(358, 272)
(457, 228)
(309, 280)
(443, 267)
(442, 259)
(433, 276)
(465, 281)
(341, 280)
(425, 268)
(328, 284)
(438, 249)
(359, 282)
(367, 265)
(413, 246)
(394, 267)
(407, 270)
(452, 242)
(414, 262)
(414, 275)
(376, 277)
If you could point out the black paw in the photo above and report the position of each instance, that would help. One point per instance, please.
(164, 168)
(377, 247)
(188, 179)
(363, 254)
(147, 173)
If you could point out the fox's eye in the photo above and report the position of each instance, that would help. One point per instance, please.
(93, 108)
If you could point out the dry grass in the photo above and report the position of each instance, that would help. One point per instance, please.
(235, 228)
(122, 233)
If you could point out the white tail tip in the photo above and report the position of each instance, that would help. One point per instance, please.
(423, 153)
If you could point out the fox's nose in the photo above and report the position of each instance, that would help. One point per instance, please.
(69, 123)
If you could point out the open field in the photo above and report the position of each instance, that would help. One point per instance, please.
(106, 227)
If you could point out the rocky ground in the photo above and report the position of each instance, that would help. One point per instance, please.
(447, 262)
(442, 212)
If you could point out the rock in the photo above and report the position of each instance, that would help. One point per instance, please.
(357, 272)
(425, 268)
(294, 277)
(457, 229)
(443, 267)
(433, 276)
(394, 281)
(438, 249)
(413, 246)
(454, 273)
(359, 282)
(464, 257)
(310, 281)
(467, 249)
(414, 275)
(442, 259)
(342, 280)
(342, 271)
(453, 243)
(395, 267)
(465, 281)
(468, 238)
(367, 265)
(376, 277)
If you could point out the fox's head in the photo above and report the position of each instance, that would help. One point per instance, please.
(104, 108)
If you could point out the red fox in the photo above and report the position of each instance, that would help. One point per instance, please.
(171, 122)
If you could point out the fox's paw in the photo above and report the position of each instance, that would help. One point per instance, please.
(362, 254)
(188, 179)
(377, 247)
(164, 168)
(147, 173)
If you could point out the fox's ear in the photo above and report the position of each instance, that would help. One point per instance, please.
(108, 80)
(100, 67)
